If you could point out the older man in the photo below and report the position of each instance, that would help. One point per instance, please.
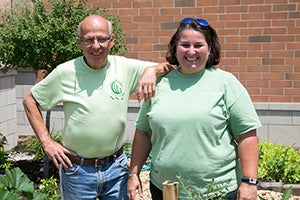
(94, 89)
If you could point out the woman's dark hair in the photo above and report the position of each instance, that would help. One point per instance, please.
(211, 38)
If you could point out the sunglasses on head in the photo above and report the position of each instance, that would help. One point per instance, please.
(202, 22)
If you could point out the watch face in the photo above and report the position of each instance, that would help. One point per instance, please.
(253, 181)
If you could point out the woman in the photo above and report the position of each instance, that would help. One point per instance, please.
(201, 124)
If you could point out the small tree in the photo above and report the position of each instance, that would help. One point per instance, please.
(41, 37)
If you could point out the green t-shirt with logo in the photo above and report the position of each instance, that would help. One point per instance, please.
(193, 118)
(94, 102)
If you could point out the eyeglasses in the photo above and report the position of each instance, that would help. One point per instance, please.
(100, 40)
(202, 22)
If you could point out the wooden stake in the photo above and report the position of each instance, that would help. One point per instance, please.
(170, 190)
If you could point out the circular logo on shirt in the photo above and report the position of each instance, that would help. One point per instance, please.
(117, 90)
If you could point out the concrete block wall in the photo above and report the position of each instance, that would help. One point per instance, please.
(281, 121)
(25, 79)
(8, 114)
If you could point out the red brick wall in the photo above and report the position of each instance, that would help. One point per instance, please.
(260, 41)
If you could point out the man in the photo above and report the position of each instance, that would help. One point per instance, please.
(94, 90)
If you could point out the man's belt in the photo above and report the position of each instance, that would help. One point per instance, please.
(95, 162)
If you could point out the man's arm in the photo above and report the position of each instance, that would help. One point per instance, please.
(147, 82)
(55, 151)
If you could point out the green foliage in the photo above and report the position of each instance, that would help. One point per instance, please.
(42, 37)
(50, 187)
(287, 193)
(14, 184)
(278, 163)
(4, 162)
(214, 192)
(33, 145)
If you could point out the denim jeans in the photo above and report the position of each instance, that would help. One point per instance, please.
(108, 182)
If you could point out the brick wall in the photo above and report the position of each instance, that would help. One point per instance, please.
(260, 39)
(5, 3)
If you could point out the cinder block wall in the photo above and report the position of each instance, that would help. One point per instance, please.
(8, 114)
(281, 121)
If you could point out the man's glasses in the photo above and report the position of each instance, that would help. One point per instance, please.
(100, 40)
(202, 22)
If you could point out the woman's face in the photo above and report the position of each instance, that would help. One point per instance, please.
(192, 51)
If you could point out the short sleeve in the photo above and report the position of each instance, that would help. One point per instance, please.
(48, 92)
(242, 114)
(142, 121)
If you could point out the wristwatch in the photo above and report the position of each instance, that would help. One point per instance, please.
(252, 181)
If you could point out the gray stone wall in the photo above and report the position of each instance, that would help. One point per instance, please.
(281, 121)
(8, 114)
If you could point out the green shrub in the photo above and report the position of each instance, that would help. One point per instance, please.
(278, 163)
(50, 187)
(4, 162)
(41, 36)
(214, 191)
(14, 184)
(34, 146)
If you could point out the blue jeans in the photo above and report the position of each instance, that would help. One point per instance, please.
(108, 182)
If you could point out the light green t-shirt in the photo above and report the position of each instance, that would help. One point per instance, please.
(193, 118)
(94, 102)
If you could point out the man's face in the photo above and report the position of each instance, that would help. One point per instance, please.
(95, 42)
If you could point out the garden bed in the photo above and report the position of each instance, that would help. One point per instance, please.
(34, 170)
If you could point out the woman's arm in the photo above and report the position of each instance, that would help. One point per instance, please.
(140, 150)
(248, 153)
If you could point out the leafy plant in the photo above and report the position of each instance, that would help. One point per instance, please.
(41, 37)
(34, 146)
(50, 187)
(278, 163)
(4, 162)
(14, 184)
(287, 193)
(214, 191)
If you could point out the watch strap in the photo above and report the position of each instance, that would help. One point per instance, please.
(252, 181)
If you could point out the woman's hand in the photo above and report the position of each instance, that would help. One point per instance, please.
(134, 185)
